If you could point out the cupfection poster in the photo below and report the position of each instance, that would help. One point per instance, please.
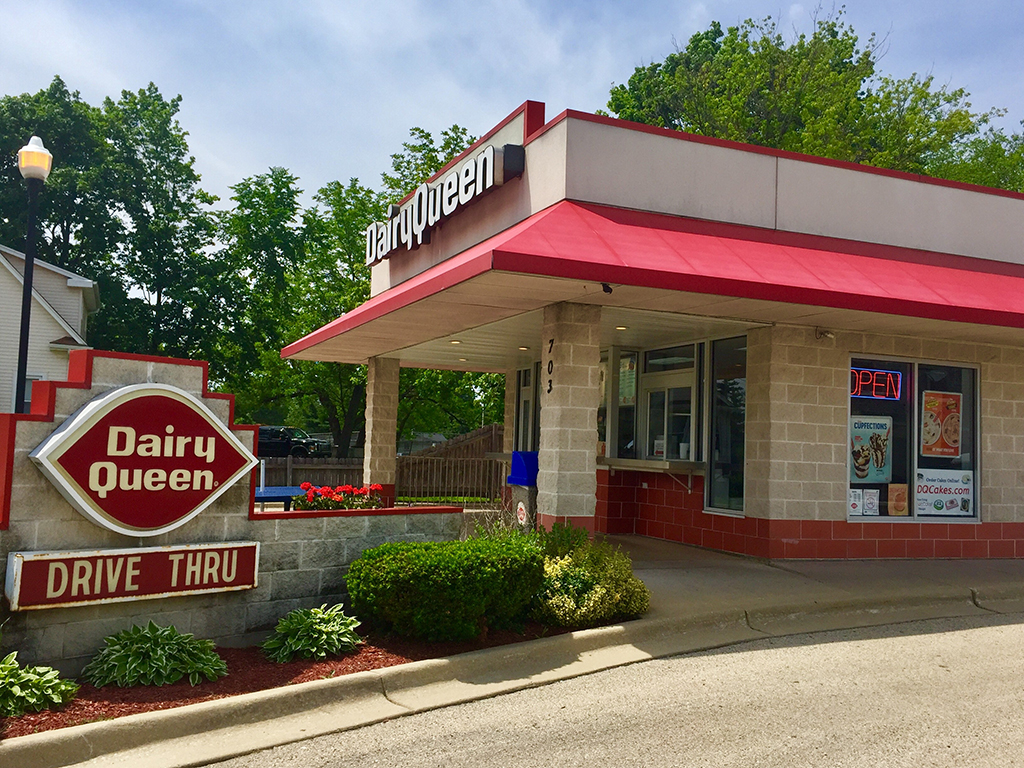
(870, 449)
(940, 424)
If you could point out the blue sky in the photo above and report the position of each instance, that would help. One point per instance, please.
(330, 89)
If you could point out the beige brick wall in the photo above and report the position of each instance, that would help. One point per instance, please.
(567, 480)
(797, 419)
(379, 465)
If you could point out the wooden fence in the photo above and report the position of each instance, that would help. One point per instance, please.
(467, 482)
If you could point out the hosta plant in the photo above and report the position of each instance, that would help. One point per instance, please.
(312, 633)
(31, 689)
(154, 655)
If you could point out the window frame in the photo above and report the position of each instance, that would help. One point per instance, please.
(915, 427)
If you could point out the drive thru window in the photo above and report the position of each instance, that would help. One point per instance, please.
(913, 440)
(677, 403)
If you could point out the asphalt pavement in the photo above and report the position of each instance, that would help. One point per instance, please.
(939, 692)
(700, 600)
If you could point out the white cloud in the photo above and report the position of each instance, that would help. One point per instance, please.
(329, 89)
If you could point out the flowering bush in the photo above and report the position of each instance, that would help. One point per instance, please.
(342, 497)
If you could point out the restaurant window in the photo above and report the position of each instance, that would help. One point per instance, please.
(527, 417)
(626, 406)
(602, 407)
(727, 414)
(913, 440)
(668, 395)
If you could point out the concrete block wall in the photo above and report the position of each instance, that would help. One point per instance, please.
(302, 559)
(808, 390)
(566, 482)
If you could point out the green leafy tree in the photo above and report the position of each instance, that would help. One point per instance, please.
(329, 279)
(123, 207)
(449, 402)
(819, 94)
(79, 228)
(164, 258)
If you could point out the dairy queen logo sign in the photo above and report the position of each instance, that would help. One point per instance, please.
(143, 459)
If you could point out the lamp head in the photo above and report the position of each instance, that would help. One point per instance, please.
(34, 160)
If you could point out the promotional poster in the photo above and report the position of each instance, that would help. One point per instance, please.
(870, 455)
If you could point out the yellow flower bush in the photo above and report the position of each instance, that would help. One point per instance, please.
(592, 585)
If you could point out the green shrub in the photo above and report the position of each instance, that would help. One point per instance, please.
(154, 655)
(562, 539)
(447, 590)
(31, 689)
(312, 633)
(592, 585)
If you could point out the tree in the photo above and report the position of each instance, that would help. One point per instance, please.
(123, 207)
(820, 95)
(164, 255)
(79, 227)
(330, 279)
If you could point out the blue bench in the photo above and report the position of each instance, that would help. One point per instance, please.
(278, 493)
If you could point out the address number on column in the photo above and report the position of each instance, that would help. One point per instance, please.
(551, 364)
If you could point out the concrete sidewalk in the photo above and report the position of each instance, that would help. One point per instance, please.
(700, 600)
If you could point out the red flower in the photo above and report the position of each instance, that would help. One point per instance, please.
(376, 487)
(364, 491)
(326, 490)
(310, 494)
(345, 489)
(306, 486)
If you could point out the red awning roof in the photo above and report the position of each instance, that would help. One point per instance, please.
(600, 244)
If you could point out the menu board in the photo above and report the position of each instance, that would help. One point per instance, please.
(941, 424)
(945, 492)
(870, 454)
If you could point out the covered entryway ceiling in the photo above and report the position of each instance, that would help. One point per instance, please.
(489, 297)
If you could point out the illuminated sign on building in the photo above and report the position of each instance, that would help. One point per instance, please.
(876, 385)
(409, 225)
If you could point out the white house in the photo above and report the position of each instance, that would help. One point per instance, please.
(62, 303)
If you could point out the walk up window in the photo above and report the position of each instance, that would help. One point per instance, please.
(912, 440)
(668, 396)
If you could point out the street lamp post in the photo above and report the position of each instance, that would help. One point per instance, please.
(34, 163)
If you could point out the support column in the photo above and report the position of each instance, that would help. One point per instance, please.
(379, 464)
(569, 397)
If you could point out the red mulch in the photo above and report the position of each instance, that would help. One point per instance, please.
(249, 670)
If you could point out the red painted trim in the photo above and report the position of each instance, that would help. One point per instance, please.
(779, 153)
(638, 218)
(500, 253)
(44, 394)
(8, 429)
(532, 121)
(381, 512)
(434, 280)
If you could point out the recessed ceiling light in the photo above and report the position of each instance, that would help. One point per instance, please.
(523, 349)
(456, 341)
(621, 328)
(462, 359)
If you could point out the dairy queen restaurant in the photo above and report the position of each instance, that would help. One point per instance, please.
(712, 343)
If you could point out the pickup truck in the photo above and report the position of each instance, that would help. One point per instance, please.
(290, 441)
